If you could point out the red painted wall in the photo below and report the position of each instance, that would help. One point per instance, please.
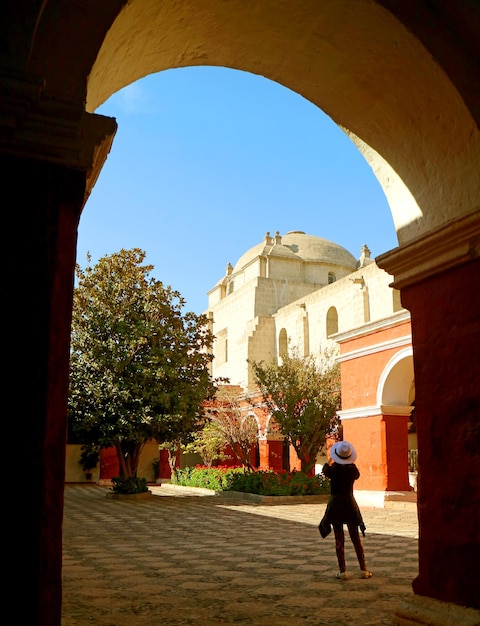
(381, 441)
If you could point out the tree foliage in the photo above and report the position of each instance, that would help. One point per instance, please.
(231, 426)
(139, 368)
(209, 443)
(303, 396)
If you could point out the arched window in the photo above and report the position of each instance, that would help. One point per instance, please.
(331, 278)
(221, 348)
(332, 321)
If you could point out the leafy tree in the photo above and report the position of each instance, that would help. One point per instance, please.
(139, 367)
(229, 424)
(303, 395)
(172, 447)
(209, 443)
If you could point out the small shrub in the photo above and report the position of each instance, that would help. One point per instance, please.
(89, 457)
(216, 478)
(132, 484)
(270, 483)
(261, 482)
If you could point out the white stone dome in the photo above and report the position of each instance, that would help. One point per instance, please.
(298, 245)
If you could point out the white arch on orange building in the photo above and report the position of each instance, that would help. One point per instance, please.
(396, 384)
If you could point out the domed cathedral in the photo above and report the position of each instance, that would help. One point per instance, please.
(401, 79)
(264, 296)
(292, 291)
(302, 292)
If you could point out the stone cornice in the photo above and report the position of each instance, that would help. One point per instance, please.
(372, 411)
(36, 125)
(444, 248)
(370, 327)
(378, 347)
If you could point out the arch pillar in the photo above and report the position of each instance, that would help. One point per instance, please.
(396, 445)
(439, 276)
(382, 446)
(271, 454)
(51, 153)
(263, 449)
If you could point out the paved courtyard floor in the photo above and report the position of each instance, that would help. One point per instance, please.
(192, 560)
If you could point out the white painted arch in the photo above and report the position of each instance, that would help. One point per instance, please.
(396, 382)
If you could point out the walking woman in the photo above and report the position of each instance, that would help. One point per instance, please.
(342, 508)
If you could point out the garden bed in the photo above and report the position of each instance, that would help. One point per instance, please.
(240, 496)
(145, 495)
(258, 499)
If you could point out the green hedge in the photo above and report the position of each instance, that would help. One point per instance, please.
(262, 482)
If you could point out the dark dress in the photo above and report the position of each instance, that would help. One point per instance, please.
(342, 508)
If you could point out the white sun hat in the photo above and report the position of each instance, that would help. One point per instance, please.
(343, 453)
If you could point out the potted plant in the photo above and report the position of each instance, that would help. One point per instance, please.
(89, 458)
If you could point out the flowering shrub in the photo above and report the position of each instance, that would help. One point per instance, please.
(262, 482)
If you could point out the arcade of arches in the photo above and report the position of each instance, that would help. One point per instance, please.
(401, 78)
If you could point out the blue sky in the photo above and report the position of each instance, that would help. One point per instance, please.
(206, 160)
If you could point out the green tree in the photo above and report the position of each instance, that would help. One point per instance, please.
(230, 424)
(139, 367)
(303, 395)
(209, 443)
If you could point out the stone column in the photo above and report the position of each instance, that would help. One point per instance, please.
(263, 447)
(396, 450)
(439, 279)
(275, 455)
(50, 155)
(382, 446)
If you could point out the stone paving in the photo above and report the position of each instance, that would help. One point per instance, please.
(183, 559)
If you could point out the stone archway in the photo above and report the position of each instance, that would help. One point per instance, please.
(401, 79)
(343, 43)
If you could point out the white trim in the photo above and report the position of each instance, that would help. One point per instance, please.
(373, 411)
(273, 437)
(366, 411)
(379, 347)
(250, 413)
(396, 358)
(366, 329)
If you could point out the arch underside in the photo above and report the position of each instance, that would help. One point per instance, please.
(355, 61)
(396, 384)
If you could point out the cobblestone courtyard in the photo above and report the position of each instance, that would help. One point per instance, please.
(177, 560)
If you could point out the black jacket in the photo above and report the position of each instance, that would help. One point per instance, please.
(342, 508)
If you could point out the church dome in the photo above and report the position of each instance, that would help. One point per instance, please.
(298, 245)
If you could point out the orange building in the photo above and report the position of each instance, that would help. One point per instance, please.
(378, 395)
